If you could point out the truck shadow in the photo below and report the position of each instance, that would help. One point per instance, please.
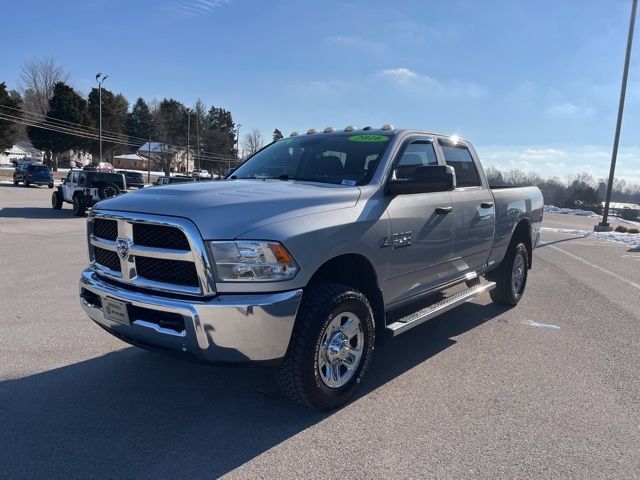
(137, 414)
(35, 212)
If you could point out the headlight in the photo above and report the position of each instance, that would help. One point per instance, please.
(253, 261)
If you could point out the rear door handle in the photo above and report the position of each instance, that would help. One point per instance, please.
(486, 204)
(443, 210)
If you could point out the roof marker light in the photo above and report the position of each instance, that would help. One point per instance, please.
(329, 130)
(367, 128)
(294, 134)
(311, 131)
(349, 128)
(386, 126)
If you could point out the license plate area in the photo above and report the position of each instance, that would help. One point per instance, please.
(116, 311)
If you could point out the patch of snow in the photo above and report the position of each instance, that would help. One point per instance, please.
(586, 213)
(630, 239)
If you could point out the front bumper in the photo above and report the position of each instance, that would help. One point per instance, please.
(221, 329)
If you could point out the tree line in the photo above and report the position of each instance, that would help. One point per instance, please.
(56, 118)
(581, 190)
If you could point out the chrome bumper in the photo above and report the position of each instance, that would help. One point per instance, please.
(225, 328)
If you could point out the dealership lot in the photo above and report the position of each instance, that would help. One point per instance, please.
(548, 389)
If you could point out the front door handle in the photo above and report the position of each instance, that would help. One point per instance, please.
(443, 210)
(486, 205)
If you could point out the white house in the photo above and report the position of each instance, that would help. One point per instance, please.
(161, 152)
(20, 151)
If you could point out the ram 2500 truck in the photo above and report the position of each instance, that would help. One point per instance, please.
(312, 249)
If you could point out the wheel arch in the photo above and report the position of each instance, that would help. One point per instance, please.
(522, 232)
(357, 271)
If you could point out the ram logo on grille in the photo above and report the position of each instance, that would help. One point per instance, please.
(122, 247)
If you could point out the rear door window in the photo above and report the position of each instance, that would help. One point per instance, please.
(460, 159)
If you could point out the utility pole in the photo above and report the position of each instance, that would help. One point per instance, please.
(188, 137)
(238, 140)
(198, 137)
(100, 82)
(149, 161)
(604, 226)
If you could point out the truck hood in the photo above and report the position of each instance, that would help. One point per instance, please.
(227, 209)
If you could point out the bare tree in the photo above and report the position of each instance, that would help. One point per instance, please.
(37, 79)
(252, 142)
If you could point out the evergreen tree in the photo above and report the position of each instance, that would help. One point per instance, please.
(8, 129)
(277, 135)
(67, 105)
(139, 122)
(112, 121)
(221, 135)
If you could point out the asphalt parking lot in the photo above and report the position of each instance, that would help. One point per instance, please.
(550, 389)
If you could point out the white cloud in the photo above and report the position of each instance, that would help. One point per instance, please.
(192, 7)
(400, 75)
(432, 87)
(563, 162)
(357, 42)
(568, 110)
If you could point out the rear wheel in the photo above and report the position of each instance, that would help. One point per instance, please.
(511, 276)
(15, 182)
(331, 347)
(78, 206)
(25, 182)
(51, 185)
(56, 200)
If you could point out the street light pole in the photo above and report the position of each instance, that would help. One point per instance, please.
(604, 226)
(100, 81)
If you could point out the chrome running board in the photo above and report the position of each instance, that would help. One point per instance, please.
(416, 318)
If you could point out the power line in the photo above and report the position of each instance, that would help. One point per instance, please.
(84, 131)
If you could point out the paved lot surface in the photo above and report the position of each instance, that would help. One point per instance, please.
(481, 392)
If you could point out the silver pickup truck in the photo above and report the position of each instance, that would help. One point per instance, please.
(313, 249)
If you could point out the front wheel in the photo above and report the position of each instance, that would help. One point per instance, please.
(331, 347)
(511, 276)
(78, 207)
(15, 182)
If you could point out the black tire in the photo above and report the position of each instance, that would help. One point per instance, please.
(506, 291)
(299, 376)
(50, 185)
(56, 200)
(15, 182)
(108, 190)
(25, 183)
(78, 207)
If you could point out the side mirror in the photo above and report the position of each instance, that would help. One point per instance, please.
(434, 178)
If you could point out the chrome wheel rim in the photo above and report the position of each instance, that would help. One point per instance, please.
(340, 350)
(517, 274)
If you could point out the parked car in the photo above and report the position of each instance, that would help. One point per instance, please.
(33, 174)
(83, 189)
(313, 248)
(134, 179)
(200, 174)
(168, 180)
(101, 167)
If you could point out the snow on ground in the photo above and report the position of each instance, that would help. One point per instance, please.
(630, 239)
(586, 213)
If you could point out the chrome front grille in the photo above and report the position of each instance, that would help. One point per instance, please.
(148, 251)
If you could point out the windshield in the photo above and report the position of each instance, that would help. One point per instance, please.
(327, 158)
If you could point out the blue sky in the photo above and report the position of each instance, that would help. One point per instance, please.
(533, 85)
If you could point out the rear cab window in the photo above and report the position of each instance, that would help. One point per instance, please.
(459, 157)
